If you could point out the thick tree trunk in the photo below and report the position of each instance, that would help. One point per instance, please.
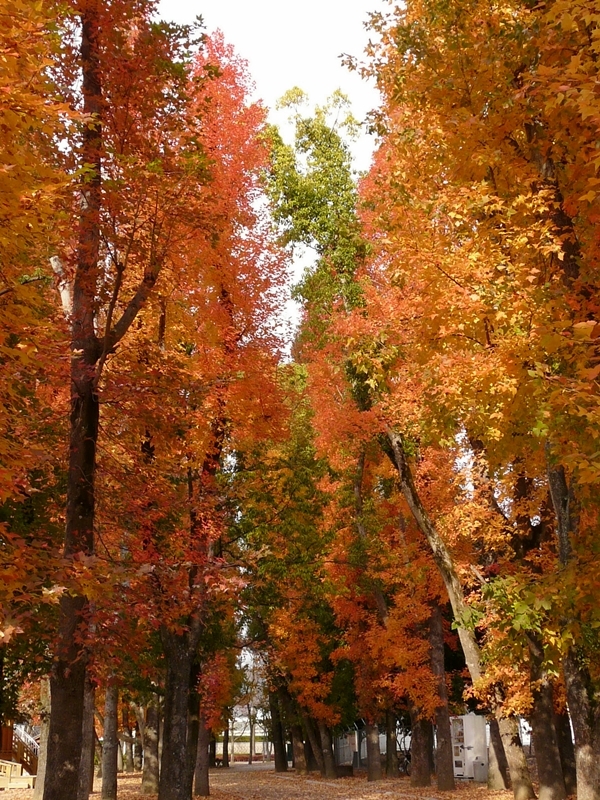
(38, 791)
(327, 751)
(582, 698)
(314, 740)
(420, 747)
(444, 761)
(110, 745)
(175, 776)
(391, 749)
(517, 763)
(585, 714)
(300, 764)
(150, 769)
(567, 751)
(86, 770)
(279, 747)
(543, 732)
(498, 777)
(201, 779)
(373, 753)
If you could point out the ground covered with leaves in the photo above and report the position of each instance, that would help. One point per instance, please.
(258, 783)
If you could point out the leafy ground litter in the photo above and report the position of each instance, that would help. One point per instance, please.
(259, 783)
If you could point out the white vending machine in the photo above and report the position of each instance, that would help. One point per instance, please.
(469, 747)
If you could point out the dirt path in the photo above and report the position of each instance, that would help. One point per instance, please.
(260, 783)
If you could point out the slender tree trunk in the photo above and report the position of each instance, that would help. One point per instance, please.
(69, 674)
(194, 723)
(251, 743)
(444, 761)
(86, 770)
(327, 751)
(226, 747)
(98, 751)
(281, 763)
(391, 748)
(567, 751)
(150, 769)
(212, 751)
(420, 746)
(128, 740)
(373, 753)
(110, 745)
(300, 764)
(517, 763)
(201, 779)
(38, 791)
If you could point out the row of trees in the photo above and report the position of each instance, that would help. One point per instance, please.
(401, 520)
(450, 343)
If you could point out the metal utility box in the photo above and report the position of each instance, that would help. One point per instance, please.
(469, 746)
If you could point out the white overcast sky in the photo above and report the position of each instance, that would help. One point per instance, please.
(293, 44)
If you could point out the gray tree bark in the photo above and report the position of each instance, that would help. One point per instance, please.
(86, 769)
(373, 753)
(110, 745)
(150, 774)
(38, 791)
(201, 776)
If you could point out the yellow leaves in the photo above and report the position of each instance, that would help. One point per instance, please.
(587, 330)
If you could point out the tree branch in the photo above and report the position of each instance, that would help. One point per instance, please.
(65, 286)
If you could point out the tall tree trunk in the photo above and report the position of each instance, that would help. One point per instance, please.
(194, 723)
(420, 746)
(373, 753)
(110, 744)
(150, 769)
(543, 732)
(279, 747)
(226, 746)
(585, 714)
(312, 733)
(69, 673)
(498, 776)
(86, 770)
(567, 751)
(327, 750)
(175, 776)
(582, 697)
(127, 740)
(201, 780)
(517, 763)
(391, 748)
(300, 764)
(444, 761)
(38, 791)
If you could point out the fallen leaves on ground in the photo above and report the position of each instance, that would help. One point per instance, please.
(259, 783)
